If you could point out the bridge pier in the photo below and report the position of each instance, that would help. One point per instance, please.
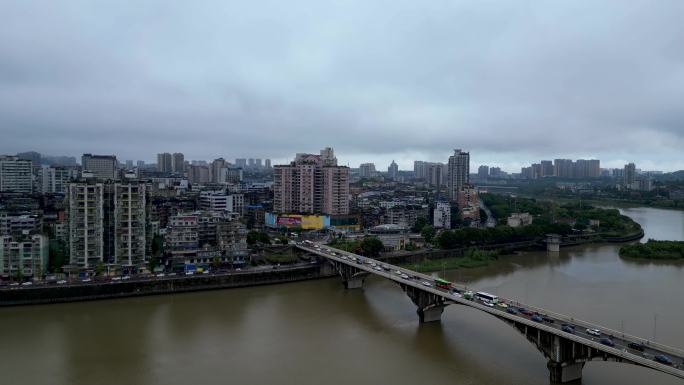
(430, 306)
(354, 282)
(430, 314)
(561, 373)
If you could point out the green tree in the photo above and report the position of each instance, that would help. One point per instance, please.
(157, 245)
(428, 233)
(19, 274)
(152, 263)
(254, 237)
(215, 262)
(420, 224)
(57, 255)
(99, 268)
(372, 246)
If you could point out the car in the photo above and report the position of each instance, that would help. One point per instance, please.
(160, 275)
(238, 269)
(397, 272)
(14, 284)
(537, 318)
(502, 305)
(487, 303)
(455, 290)
(373, 264)
(635, 346)
(524, 311)
(61, 282)
(385, 267)
(594, 332)
(344, 257)
(548, 319)
(607, 342)
(404, 276)
(116, 278)
(126, 277)
(663, 359)
(174, 274)
(426, 283)
(378, 268)
(207, 271)
(333, 254)
(568, 329)
(189, 273)
(86, 280)
(511, 310)
(370, 262)
(28, 283)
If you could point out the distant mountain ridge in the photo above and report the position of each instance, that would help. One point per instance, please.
(671, 176)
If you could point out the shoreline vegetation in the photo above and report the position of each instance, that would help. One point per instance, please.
(472, 258)
(571, 220)
(655, 250)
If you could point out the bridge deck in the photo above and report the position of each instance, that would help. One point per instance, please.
(620, 339)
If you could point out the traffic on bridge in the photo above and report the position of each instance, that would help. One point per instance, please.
(567, 342)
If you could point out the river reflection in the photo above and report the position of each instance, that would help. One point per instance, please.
(316, 332)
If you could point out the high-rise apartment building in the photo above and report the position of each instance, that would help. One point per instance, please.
(54, 179)
(547, 168)
(563, 168)
(165, 162)
(629, 175)
(458, 173)
(198, 174)
(312, 184)
(241, 162)
(367, 170)
(130, 223)
(101, 166)
(250, 163)
(257, 163)
(393, 170)
(267, 163)
(86, 223)
(178, 163)
(217, 172)
(16, 174)
(483, 172)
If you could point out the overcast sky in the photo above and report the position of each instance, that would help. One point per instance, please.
(510, 81)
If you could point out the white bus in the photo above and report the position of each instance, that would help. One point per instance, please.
(482, 296)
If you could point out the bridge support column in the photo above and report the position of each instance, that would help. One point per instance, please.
(355, 282)
(430, 314)
(430, 306)
(561, 373)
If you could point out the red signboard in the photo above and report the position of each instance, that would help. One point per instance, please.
(289, 221)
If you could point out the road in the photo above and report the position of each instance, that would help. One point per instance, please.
(554, 325)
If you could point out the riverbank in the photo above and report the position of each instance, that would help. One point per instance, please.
(154, 286)
(654, 250)
(471, 259)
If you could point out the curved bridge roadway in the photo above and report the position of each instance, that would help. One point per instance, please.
(567, 349)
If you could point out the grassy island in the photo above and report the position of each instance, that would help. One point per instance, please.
(654, 250)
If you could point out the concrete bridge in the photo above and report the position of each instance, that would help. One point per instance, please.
(565, 341)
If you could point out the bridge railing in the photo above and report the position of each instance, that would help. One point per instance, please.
(586, 324)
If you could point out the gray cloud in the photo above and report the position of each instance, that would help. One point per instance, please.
(511, 82)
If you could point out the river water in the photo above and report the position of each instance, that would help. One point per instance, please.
(316, 332)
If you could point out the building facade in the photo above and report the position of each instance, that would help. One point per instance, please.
(27, 257)
(312, 184)
(101, 166)
(16, 175)
(85, 211)
(458, 173)
(130, 224)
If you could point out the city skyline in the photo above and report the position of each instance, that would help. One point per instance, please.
(387, 82)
